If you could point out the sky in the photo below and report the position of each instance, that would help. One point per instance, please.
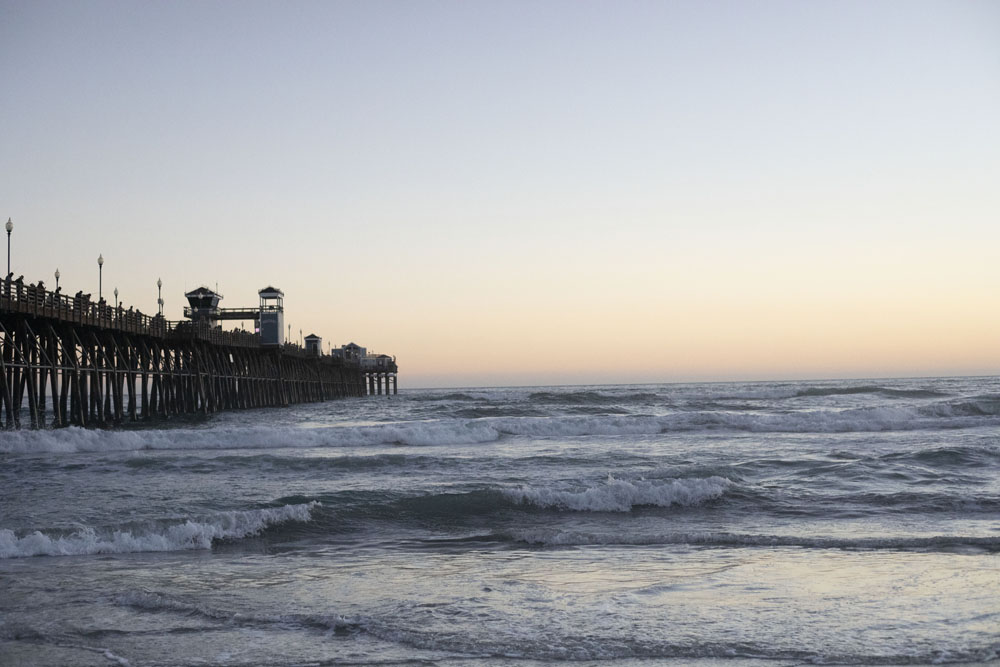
(516, 193)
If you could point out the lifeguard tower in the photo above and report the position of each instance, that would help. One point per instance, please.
(272, 316)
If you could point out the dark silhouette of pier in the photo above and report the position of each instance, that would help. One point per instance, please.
(70, 360)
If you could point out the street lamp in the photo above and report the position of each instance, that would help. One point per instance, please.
(116, 298)
(159, 295)
(100, 275)
(9, 227)
(57, 280)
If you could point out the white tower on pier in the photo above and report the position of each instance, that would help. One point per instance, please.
(272, 316)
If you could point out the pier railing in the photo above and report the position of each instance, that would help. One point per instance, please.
(16, 297)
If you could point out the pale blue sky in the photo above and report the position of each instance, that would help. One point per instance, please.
(445, 180)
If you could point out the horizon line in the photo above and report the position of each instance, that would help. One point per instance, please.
(679, 382)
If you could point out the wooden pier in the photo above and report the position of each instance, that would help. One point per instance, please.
(71, 361)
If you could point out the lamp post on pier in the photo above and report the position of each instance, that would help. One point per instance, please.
(159, 295)
(116, 298)
(100, 275)
(9, 227)
(57, 279)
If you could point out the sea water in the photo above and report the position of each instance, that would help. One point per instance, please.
(838, 522)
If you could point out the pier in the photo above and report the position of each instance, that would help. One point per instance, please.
(71, 361)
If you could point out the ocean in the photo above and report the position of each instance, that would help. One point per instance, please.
(837, 522)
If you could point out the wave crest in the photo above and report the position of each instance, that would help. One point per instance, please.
(617, 495)
(868, 389)
(191, 534)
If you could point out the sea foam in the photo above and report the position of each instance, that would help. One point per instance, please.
(190, 534)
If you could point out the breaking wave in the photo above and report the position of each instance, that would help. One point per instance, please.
(190, 534)
(74, 439)
(617, 495)
(966, 412)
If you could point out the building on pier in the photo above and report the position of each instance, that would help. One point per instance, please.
(350, 352)
(377, 362)
(268, 318)
(204, 305)
(314, 345)
(272, 316)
